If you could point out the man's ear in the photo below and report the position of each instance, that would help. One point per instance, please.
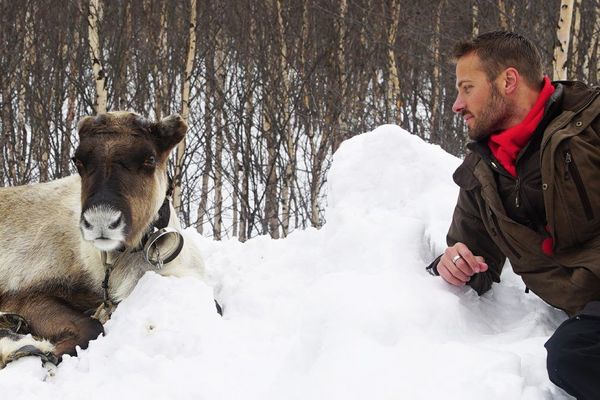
(511, 79)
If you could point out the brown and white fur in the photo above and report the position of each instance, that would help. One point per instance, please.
(52, 234)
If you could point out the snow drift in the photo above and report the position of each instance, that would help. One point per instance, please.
(344, 312)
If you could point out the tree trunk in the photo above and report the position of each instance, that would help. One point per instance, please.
(160, 75)
(209, 96)
(576, 33)
(185, 106)
(290, 166)
(71, 102)
(271, 220)
(589, 69)
(7, 131)
(120, 94)
(394, 102)
(337, 106)
(23, 146)
(503, 13)
(244, 233)
(94, 18)
(436, 82)
(309, 129)
(563, 34)
(219, 125)
(475, 18)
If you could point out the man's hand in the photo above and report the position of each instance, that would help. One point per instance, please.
(457, 265)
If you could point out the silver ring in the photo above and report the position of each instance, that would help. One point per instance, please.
(456, 258)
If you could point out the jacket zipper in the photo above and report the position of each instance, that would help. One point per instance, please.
(517, 182)
(517, 189)
(573, 171)
(504, 239)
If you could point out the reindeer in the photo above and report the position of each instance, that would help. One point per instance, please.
(71, 249)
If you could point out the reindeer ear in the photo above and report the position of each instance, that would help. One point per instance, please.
(85, 124)
(170, 131)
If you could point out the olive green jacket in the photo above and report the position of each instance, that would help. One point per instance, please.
(568, 155)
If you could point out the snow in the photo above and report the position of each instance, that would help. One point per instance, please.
(344, 312)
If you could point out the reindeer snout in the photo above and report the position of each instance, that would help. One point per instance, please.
(104, 226)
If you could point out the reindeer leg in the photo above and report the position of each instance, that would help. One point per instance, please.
(15, 345)
(13, 322)
(16, 342)
(55, 320)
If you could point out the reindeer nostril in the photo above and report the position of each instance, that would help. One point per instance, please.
(115, 224)
(86, 224)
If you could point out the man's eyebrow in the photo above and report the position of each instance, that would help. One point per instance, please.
(460, 83)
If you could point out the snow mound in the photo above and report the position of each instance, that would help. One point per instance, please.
(346, 311)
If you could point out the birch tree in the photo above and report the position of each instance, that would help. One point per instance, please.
(563, 35)
(185, 105)
(220, 76)
(286, 131)
(94, 18)
(576, 34)
(475, 18)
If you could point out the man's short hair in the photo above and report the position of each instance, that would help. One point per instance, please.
(501, 49)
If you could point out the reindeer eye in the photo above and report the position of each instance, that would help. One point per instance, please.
(78, 163)
(150, 162)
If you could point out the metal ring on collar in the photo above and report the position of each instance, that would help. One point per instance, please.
(163, 246)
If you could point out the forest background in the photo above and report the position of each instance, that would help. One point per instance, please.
(269, 88)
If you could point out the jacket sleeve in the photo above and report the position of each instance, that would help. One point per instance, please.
(467, 227)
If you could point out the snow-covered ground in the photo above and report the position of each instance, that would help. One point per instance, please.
(345, 312)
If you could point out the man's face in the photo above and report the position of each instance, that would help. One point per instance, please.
(479, 101)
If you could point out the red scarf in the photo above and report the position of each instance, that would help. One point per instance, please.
(506, 145)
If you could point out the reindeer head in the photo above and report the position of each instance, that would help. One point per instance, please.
(122, 161)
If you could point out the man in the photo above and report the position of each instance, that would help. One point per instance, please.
(530, 192)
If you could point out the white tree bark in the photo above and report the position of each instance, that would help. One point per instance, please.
(576, 33)
(94, 17)
(220, 76)
(475, 18)
(185, 106)
(563, 34)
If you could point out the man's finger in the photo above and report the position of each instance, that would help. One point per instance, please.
(462, 265)
(468, 258)
(458, 273)
(448, 277)
(482, 264)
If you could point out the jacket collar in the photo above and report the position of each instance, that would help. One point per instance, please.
(480, 151)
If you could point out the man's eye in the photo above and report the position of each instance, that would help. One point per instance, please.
(467, 89)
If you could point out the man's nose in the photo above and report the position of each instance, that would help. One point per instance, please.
(458, 105)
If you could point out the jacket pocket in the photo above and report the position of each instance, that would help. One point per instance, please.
(576, 191)
(572, 172)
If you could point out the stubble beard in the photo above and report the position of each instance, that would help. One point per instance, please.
(491, 118)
